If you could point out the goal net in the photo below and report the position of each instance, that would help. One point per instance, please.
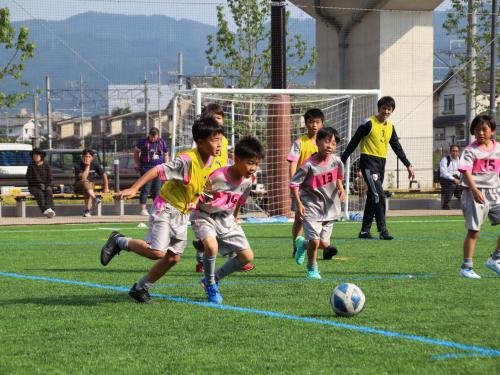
(275, 117)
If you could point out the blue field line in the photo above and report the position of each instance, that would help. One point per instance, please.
(487, 352)
(299, 280)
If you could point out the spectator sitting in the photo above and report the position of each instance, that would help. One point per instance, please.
(449, 177)
(150, 152)
(39, 178)
(85, 174)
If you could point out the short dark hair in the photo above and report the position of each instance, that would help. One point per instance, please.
(386, 101)
(453, 146)
(87, 151)
(328, 132)
(212, 109)
(314, 113)
(205, 127)
(154, 131)
(479, 120)
(249, 147)
(38, 151)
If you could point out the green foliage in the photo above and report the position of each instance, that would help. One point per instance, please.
(457, 24)
(22, 50)
(120, 111)
(243, 58)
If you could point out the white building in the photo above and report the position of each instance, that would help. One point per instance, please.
(132, 96)
(21, 129)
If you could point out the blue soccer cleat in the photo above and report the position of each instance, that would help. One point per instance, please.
(301, 250)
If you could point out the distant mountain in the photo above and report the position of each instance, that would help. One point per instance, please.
(120, 48)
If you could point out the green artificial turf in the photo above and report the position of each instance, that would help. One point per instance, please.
(419, 317)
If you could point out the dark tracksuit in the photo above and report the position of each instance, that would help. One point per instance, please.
(374, 165)
(40, 185)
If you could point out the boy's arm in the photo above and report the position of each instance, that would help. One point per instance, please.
(341, 191)
(236, 210)
(297, 179)
(293, 168)
(145, 178)
(105, 183)
(476, 193)
(362, 131)
(398, 150)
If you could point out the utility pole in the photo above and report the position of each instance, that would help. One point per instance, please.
(159, 99)
(180, 68)
(36, 135)
(49, 110)
(82, 139)
(146, 111)
(278, 44)
(471, 68)
(493, 62)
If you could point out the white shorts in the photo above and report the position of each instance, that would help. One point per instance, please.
(475, 213)
(318, 230)
(229, 234)
(167, 229)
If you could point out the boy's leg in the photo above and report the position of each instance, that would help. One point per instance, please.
(155, 187)
(209, 257)
(234, 241)
(39, 197)
(143, 197)
(312, 264)
(369, 211)
(296, 230)
(493, 262)
(49, 199)
(467, 269)
(234, 264)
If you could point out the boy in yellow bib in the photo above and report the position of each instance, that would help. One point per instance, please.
(374, 137)
(185, 178)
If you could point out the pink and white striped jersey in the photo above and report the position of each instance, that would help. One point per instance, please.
(484, 164)
(222, 193)
(318, 188)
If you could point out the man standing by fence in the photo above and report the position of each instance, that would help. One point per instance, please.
(449, 177)
(150, 152)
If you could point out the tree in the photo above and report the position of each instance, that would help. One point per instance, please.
(117, 111)
(21, 50)
(456, 24)
(243, 58)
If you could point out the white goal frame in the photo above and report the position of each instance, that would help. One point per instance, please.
(198, 94)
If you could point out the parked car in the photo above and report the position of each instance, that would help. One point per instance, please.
(14, 158)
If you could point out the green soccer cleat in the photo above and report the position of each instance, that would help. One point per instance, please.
(301, 250)
(313, 274)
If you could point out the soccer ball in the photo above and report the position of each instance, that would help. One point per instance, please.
(347, 299)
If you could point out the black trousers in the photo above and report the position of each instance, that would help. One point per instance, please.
(448, 190)
(375, 201)
(43, 197)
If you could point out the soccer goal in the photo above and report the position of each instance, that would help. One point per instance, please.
(275, 117)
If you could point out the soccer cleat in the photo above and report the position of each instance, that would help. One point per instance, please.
(141, 295)
(110, 248)
(212, 291)
(199, 268)
(198, 245)
(247, 267)
(313, 274)
(385, 236)
(87, 214)
(493, 264)
(301, 250)
(365, 236)
(469, 273)
(329, 252)
(294, 251)
(50, 213)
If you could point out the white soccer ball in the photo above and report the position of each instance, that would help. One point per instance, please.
(347, 299)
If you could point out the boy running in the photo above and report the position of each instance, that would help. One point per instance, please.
(480, 167)
(314, 187)
(301, 150)
(185, 177)
(215, 111)
(214, 220)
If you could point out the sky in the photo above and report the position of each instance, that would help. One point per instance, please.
(198, 10)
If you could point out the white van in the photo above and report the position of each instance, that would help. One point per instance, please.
(14, 158)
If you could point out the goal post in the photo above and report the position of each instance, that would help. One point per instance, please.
(275, 117)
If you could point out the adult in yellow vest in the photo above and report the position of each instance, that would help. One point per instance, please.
(374, 136)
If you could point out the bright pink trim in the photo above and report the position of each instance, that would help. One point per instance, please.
(159, 202)
(161, 172)
(292, 158)
(323, 179)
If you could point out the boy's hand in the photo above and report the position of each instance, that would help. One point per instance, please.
(342, 195)
(302, 210)
(191, 206)
(411, 173)
(478, 196)
(127, 193)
